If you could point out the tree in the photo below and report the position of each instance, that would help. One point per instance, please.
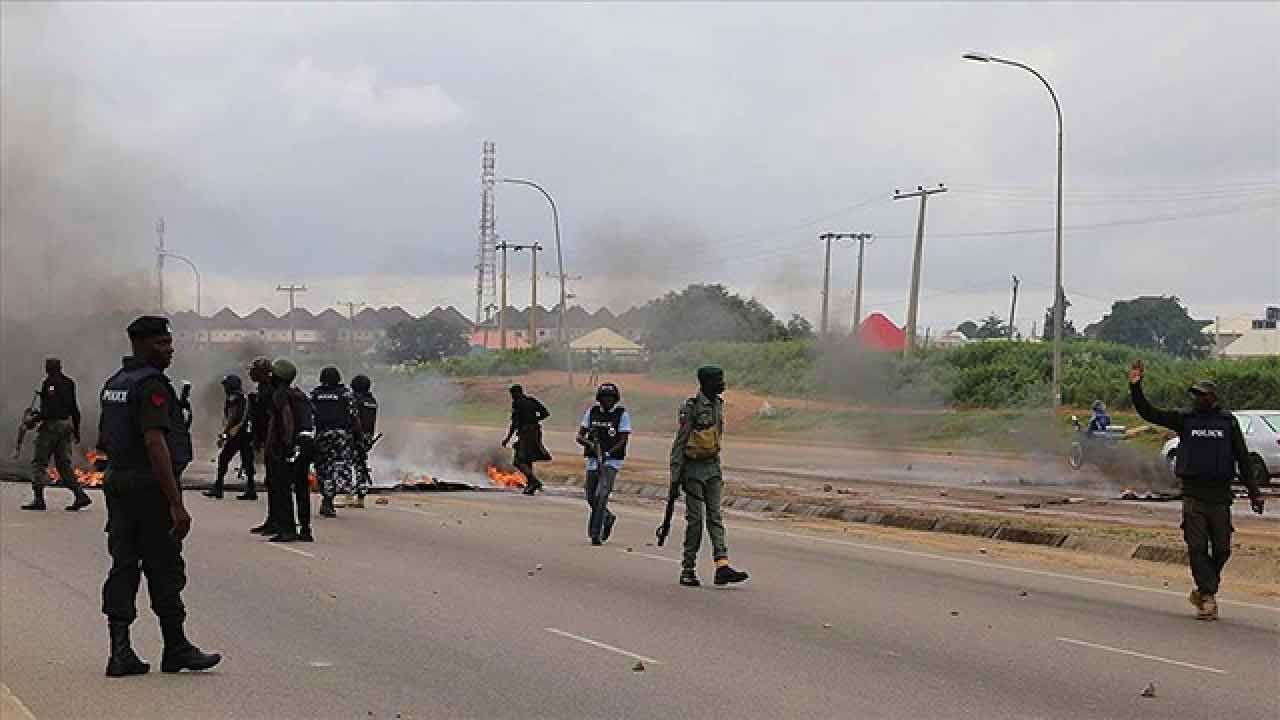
(798, 328)
(992, 327)
(710, 313)
(1068, 328)
(423, 339)
(968, 328)
(1154, 323)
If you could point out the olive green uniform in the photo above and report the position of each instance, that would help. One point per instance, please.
(695, 465)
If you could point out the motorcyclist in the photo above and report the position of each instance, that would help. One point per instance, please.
(1100, 421)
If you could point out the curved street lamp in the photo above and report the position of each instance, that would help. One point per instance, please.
(1058, 310)
(555, 216)
(194, 269)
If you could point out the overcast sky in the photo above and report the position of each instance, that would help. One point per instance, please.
(339, 146)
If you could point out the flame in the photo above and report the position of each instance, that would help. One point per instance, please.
(505, 478)
(86, 478)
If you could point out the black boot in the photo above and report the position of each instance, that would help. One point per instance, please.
(123, 661)
(304, 535)
(82, 501)
(689, 578)
(268, 527)
(726, 575)
(214, 493)
(607, 530)
(284, 536)
(37, 500)
(326, 508)
(180, 654)
(248, 495)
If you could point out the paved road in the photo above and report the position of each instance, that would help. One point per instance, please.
(435, 607)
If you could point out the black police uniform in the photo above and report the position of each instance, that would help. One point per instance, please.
(136, 399)
(236, 411)
(290, 458)
(602, 430)
(367, 415)
(1210, 447)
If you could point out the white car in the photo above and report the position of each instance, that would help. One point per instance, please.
(1261, 430)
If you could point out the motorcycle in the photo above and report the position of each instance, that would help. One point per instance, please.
(1093, 447)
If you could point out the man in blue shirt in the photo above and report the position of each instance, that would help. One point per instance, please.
(1100, 421)
(603, 434)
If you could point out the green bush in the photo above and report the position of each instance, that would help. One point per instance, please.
(993, 374)
(501, 362)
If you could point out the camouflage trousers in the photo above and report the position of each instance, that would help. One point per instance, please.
(335, 462)
(364, 476)
(53, 442)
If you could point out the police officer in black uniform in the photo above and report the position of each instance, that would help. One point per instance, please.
(259, 422)
(603, 433)
(367, 415)
(290, 447)
(336, 429)
(1210, 448)
(235, 438)
(143, 432)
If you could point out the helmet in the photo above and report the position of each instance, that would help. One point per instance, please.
(608, 390)
(231, 382)
(516, 390)
(361, 383)
(1098, 406)
(260, 363)
(284, 370)
(330, 376)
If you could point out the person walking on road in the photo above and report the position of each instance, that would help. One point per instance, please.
(290, 447)
(695, 468)
(1210, 450)
(527, 415)
(367, 415)
(148, 445)
(604, 431)
(235, 438)
(336, 431)
(57, 428)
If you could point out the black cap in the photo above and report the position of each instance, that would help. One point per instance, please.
(1204, 387)
(148, 326)
(516, 389)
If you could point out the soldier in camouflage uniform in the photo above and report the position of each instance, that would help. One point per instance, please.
(695, 468)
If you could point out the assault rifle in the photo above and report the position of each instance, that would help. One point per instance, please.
(30, 417)
(665, 528)
(184, 403)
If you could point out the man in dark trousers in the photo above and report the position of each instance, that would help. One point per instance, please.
(336, 430)
(527, 415)
(290, 444)
(1210, 449)
(367, 414)
(235, 438)
(143, 432)
(604, 431)
(58, 427)
(259, 423)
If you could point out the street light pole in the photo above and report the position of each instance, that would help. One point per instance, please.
(1058, 306)
(555, 216)
(194, 269)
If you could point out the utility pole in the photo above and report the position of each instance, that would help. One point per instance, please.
(826, 280)
(535, 248)
(913, 302)
(863, 239)
(293, 289)
(351, 306)
(160, 253)
(1013, 307)
(533, 301)
(502, 301)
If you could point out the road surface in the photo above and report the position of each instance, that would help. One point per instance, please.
(493, 605)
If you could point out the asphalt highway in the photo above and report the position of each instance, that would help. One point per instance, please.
(494, 605)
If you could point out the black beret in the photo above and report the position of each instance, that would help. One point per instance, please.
(148, 326)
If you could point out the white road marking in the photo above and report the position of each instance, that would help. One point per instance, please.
(320, 664)
(1144, 656)
(648, 555)
(414, 511)
(9, 701)
(997, 566)
(286, 548)
(603, 646)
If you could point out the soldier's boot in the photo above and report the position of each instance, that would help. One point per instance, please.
(82, 501)
(1196, 600)
(689, 578)
(726, 575)
(247, 496)
(180, 654)
(326, 508)
(37, 500)
(266, 528)
(284, 536)
(123, 661)
(304, 535)
(213, 492)
(1208, 608)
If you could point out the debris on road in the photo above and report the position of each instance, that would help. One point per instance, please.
(1150, 691)
(942, 493)
(826, 487)
(982, 551)
(638, 667)
(538, 567)
(955, 613)
(826, 625)
(382, 501)
(628, 549)
(1022, 593)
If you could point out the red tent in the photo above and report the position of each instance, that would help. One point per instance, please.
(878, 332)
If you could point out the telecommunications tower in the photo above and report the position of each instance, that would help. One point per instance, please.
(487, 253)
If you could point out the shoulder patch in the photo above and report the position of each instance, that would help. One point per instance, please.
(158, 399)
